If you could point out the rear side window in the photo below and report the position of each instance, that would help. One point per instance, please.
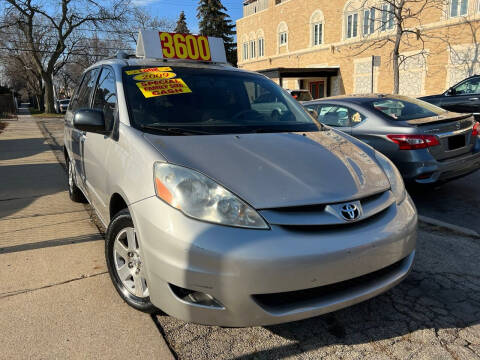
(402, 109)
(82, 96)
(105, 98)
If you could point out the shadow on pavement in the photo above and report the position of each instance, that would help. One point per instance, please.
(21, 148)
(455, 202)
(20, 185)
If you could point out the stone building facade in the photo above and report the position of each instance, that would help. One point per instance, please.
(345, 46)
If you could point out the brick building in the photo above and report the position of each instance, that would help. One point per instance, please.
(335, 47)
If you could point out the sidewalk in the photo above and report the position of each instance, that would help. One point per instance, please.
(56, 298)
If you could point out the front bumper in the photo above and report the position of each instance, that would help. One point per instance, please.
(242, 268)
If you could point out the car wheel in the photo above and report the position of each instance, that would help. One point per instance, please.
(75, 193)
(125, 263)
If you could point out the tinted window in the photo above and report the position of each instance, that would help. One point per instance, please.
(334, 115)
(213, 102)
(402, 108)
(82, 96)
(105, 98)
(471, 86)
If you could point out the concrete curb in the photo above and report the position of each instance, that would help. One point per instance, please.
(455, 228)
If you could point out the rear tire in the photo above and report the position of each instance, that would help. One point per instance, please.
(125, 263)
(74, 192)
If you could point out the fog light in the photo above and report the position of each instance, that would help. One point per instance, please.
(196, 297)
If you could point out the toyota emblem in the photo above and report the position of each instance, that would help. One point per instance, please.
(350, 212)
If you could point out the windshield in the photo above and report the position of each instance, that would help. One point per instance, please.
(403, 109)
(64, 101)
(187, 101)
(302, 95)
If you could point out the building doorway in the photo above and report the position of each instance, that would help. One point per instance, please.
(318, 89)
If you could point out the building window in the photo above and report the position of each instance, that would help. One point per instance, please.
(261, 47)
(352, 25)
(245, 51)
(317, 34)
(368, 21)
(253, 49)
(283, 38)
(388, 14)
(458, 8)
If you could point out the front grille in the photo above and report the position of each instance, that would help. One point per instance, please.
(326, 215)
(286, 301)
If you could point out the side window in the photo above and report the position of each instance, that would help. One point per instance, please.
(82, 96)
(468, 87)
(355, 117)
(338, 116)
(105, 98)
(333, 115)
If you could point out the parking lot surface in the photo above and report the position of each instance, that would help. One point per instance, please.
(433, 314)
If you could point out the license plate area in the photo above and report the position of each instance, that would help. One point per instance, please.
(456, 142)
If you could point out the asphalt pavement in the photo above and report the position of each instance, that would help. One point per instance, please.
(433, 314)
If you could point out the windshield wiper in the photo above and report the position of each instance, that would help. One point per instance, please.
(173, 131)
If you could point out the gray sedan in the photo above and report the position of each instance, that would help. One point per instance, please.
(426, 143)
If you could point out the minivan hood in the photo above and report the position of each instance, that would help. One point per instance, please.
(279, 169)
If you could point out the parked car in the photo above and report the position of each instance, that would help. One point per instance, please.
(427, 144)
(270, 105)
(463, 97)
(301, 95)
(217, 213)
(63, 105)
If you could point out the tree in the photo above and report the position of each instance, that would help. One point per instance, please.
(214, 21)
(401, 22)
(182, 27)
(62, 21)
(136, 19)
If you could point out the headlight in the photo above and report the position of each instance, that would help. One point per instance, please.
(394, 176)
(201, 198)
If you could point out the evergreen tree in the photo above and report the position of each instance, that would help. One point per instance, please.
(182, 27)
(214, 21)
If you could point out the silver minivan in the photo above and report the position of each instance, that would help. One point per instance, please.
(217, 213)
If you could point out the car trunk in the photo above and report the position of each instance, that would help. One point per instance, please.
(454, 132)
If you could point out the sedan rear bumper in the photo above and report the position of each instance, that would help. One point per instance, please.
(261, 277)
(432, 171)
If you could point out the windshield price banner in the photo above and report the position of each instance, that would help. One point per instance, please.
(185, 46)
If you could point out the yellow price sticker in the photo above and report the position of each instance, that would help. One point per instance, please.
(147, 70)
(163, 87)
(154, 75)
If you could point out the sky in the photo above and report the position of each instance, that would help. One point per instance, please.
(172, 8)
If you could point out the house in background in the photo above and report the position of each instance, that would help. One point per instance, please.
(323, 45)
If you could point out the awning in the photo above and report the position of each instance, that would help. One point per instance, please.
(279, 73)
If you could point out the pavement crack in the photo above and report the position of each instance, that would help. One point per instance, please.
(42, 226)
(19, 292)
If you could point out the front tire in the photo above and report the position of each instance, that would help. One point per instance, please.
(125, 263)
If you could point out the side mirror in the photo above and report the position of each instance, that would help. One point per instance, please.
(89, 120)
(313, 113)
(451, 92)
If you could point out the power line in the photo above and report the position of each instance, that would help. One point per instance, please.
(70, 53)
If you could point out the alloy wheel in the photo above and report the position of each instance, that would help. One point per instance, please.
(128, 263)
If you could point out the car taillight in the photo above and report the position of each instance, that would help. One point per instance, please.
(475, 129)
(414, 142)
